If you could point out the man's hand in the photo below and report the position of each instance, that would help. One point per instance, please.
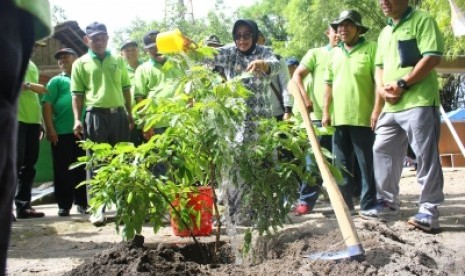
(392, 93)
(326, 120)
(287, 116)
(258, 67)
(148, 134)
(52, 136)
(131, 122)
(78, 130)
(374, 119)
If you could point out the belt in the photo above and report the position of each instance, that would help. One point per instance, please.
(109, 110)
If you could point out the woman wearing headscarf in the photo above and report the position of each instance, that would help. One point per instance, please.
(235, 59)
(245, 55)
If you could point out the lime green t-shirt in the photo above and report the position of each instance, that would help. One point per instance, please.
(29, 110)
(419, 28)
(351, 75)
(59, 97)
(316, 60)
(40, 10)
(150, 81)
(102, 81)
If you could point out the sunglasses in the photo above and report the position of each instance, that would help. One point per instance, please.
(244, 36)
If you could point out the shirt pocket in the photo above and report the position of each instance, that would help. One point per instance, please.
(409, 54)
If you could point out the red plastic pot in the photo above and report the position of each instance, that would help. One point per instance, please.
(201, 201)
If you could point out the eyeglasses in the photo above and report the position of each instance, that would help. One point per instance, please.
(244, 36)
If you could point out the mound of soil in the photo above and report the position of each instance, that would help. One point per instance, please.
(388, 251)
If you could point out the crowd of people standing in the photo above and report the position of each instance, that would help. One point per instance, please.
(380, 97)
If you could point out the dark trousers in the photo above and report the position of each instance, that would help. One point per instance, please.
(28, 153)
(309, 194)
(64, 153)
(350, 140)
(16, 41)
(105, 127)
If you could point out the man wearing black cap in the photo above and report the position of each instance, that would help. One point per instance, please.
(59, 120)
(350, 93)
(150, 81)
(29, 131)
(314, 63)
(130, 53)
(100, 80)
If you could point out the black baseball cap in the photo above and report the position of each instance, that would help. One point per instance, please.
(291, 61)
(128, 43)
(96, 28)
(150, 39)
(65, 51)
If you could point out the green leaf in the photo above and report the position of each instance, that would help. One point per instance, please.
(130, 197)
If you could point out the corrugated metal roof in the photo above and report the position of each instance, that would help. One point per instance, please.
(70, 34)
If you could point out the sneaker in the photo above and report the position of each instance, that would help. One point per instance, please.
(302, 209)
(28, 213)
(425, 222)
(82, 209)
(98, 218)
(63, 212)
(382, 212)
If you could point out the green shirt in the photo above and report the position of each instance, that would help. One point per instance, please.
(59, 97)
(150, 81)
(419, 26)
(29, 110)
(40, 10)
(351, 74)
(102, 81)
(316, 60)
(131, 74)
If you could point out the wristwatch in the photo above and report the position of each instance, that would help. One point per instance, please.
(28, 85)
(402, 84)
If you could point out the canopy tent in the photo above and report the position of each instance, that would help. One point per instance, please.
(452, 138)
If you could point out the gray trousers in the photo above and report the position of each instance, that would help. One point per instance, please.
(418, 127)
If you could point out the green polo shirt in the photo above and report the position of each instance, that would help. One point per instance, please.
(419, 26)
(102, 81)
(131, 74)
(29, 110)
(40, 10)
(59, 97)
(150, 81)
(351, 74)
(316, 60)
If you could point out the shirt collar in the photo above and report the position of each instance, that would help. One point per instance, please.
(93, 55)
(407, 14)
(359, 42)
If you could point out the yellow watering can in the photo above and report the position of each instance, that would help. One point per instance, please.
(171, 42)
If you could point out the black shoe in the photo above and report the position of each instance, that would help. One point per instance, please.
(13, 218)
(82, 209)
(28, 213)
(63, 212)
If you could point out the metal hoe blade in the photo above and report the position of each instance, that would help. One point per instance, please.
(355, 252)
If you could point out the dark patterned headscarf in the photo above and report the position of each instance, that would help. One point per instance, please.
(253, 27)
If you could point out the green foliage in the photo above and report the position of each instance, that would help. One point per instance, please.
(441, 11)
(203, 117)
(122, 177)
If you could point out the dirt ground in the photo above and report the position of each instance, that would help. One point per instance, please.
(72, 246)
